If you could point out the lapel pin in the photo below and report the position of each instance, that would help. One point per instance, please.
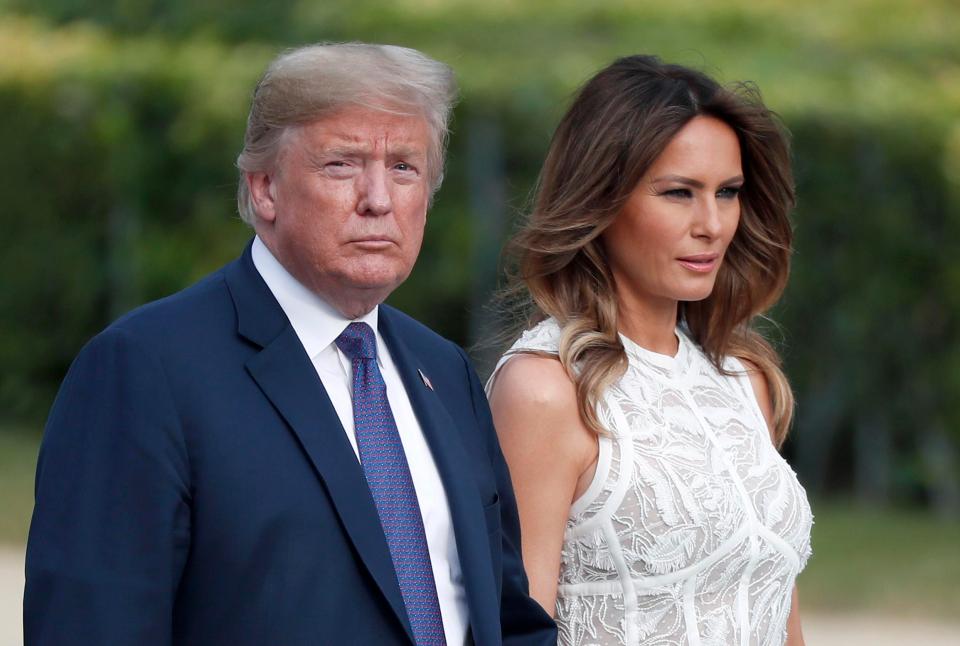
(426, 380)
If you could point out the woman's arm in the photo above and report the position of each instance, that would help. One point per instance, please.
(551, 456)
(762, 391)
(794, 630)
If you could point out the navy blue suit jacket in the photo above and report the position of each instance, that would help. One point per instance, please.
(195, 487)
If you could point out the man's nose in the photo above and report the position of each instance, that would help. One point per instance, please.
(374, 191)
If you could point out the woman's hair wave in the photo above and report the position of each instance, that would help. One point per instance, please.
(619, 123)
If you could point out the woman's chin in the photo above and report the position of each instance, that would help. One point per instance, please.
(694, 295)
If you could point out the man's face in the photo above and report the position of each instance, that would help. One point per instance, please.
(345, 208)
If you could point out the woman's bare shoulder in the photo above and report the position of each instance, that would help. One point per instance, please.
(534, 405)
(537, 381)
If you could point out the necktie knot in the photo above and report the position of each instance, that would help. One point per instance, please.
(358, 342)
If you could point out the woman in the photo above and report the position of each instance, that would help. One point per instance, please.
(640, 413)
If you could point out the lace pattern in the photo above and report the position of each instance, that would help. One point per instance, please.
(694, 528)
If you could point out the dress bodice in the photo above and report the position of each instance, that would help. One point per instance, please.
(693, 528)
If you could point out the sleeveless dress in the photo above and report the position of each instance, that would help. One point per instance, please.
(694, 528)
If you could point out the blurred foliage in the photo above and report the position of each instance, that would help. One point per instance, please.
(891, 562)
(18, 457)
(121, 121)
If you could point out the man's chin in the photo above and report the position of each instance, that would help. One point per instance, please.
(372, 288)
(384, 282)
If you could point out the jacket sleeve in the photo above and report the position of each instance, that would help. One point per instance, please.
(110, 529)
(523, 621)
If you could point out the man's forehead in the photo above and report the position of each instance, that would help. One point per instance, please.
(368, 129)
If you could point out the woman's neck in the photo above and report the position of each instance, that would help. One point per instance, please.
(650, 327)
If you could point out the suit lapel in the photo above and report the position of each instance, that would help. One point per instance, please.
(288, 379)
(453, 463)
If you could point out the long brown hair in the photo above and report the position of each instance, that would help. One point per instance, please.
(619, 123)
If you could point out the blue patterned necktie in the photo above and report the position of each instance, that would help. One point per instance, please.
(388, 476)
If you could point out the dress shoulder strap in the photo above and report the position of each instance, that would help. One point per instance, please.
(542, 337)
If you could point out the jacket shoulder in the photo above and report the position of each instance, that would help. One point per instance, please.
(205, 302)
(417, 335)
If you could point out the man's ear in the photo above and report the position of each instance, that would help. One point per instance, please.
(263, 194)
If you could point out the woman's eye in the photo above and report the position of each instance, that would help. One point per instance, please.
(678, 192)
(728, 192)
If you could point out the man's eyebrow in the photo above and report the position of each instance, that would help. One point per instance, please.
(336, 151)
(351, 150)
(343, 150)
(406, 152)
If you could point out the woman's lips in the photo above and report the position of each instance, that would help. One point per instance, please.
(700, 263)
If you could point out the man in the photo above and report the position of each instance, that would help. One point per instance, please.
(272, 456)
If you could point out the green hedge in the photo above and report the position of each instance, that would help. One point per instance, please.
(121, 123)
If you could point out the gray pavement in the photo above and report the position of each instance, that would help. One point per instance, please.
(11, 596)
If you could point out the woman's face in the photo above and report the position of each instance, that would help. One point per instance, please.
(667, 243)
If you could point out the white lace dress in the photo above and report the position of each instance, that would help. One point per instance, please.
(694, 527)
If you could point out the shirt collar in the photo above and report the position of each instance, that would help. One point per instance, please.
(316, 322)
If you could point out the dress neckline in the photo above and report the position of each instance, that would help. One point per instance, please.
(672, 365)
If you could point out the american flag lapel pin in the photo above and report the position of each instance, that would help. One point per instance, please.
(426, 379)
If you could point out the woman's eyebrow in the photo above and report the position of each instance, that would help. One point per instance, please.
(693, 183)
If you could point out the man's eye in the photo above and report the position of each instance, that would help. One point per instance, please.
(403, 166)
(339, 168)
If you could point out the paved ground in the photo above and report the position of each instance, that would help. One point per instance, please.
(846, 630)
(11, 597)
(819, 630)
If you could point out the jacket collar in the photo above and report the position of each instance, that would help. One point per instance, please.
(289, 381)
(286, 376)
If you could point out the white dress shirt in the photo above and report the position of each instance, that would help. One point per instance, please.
(318, 324)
